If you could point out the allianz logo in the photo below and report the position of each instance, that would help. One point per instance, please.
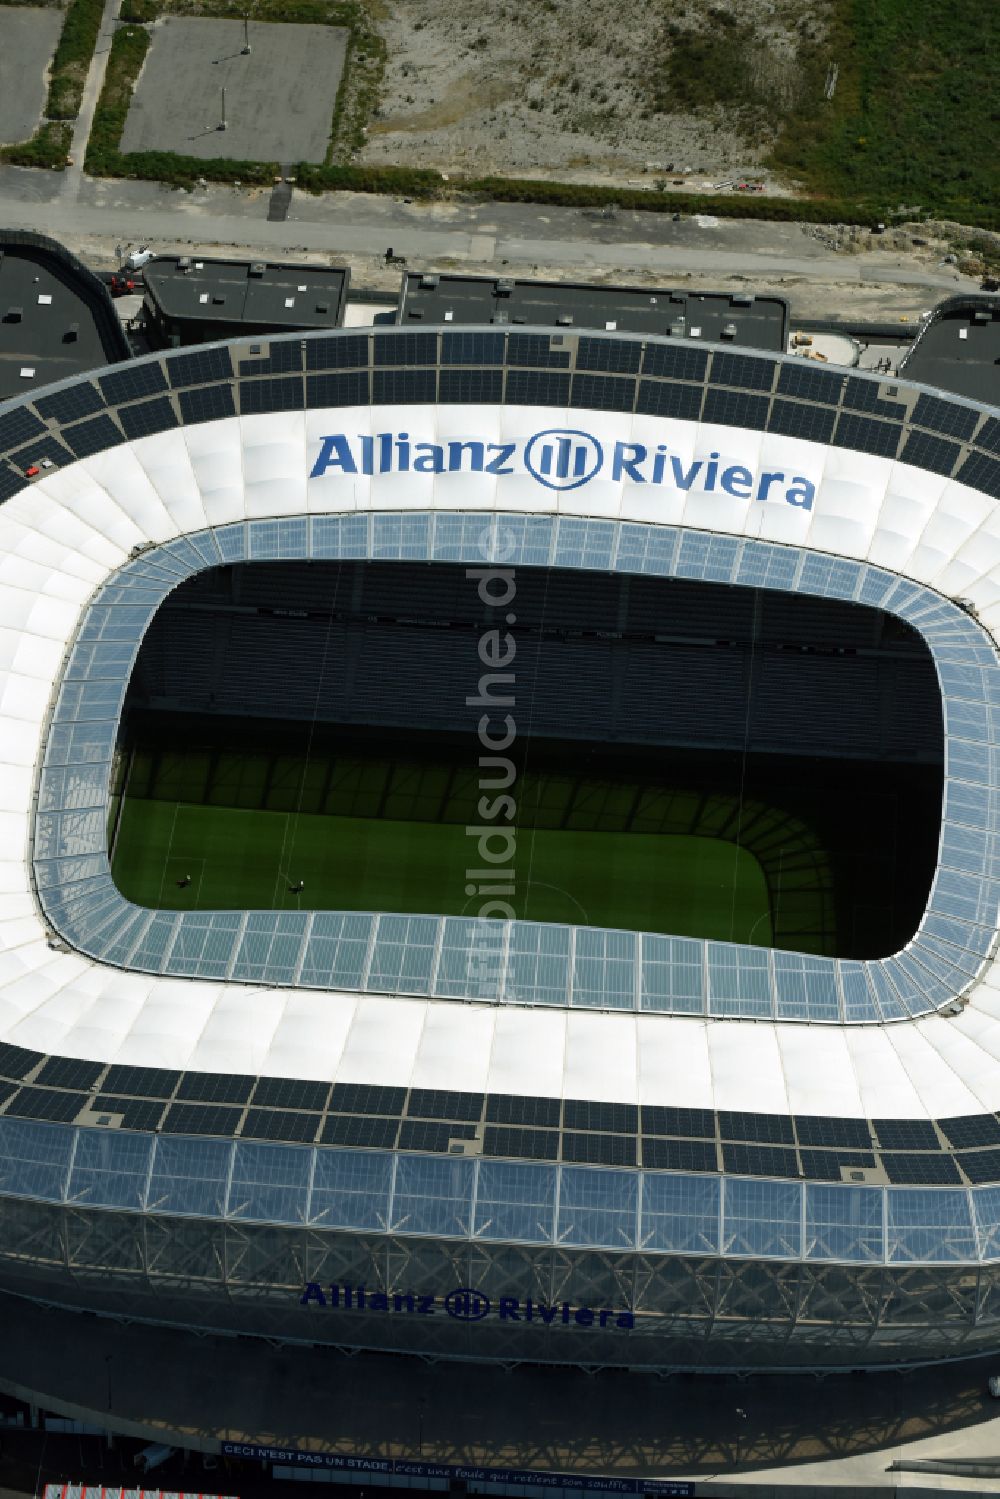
(559, 458)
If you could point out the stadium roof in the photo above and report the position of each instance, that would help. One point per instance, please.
(56, 317)
(958, 349)
(252, 483)
(743, 318)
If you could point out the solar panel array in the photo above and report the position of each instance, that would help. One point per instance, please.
(863, 412)
(898, 1151)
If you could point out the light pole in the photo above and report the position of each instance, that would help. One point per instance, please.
(246, 37)
(222, 122)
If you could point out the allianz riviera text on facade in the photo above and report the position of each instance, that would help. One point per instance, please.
(257, 1074)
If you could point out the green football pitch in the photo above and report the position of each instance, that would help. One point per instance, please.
(193, 856)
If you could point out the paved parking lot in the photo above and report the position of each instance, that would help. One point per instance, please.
(28, 39)
(279, 100)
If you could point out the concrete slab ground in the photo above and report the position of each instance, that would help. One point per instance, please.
(28, 37)
(279, 100)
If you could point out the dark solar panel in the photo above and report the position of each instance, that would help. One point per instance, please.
(507, 1108)
(281, 1124)
(760, 1160)
(366, 1098)
(403, 385)
(660, 398)
(137, 1113)
(764, 1129)
(742, 370)
(199, 367)
(133, 382)
(482, 387)
(816, 1129)
(10, 481)
(906, 1134)
(441, 1103)
(281, 394)
(210, 403)
(793, 419)
(472, 348)
(339, 388)
(15, 1061)
(680, 361)
(732, 408)
(987, 437)
(867, 436)
(45, 446)
(349, 1129)
(533, 1144)
(340, 353)
(68, 1072)
(149, 416)
(616, 355)
(214, 1087)
(679, 1155)
(68, 405)
(620, 1118)
(809, 383)
(200, 1119)
(144, 1082)
(20, 424)
(405, 348)
(945, 416)
(933, 453)
(418, 1134)
(967, 1130)
(981, 473)
(604, 392)
(537, 388)
(599, 1150)
(660, 1119)
(282, 359)
(40, 1103)
(92, 436)
(289, 1093)
(921, 1170)
(863, 395)
(824, 1165)
(536, 349)
(980, 1165)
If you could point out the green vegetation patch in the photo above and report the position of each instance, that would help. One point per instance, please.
(72, 58)
(48, 147)
(246, 860)
(915, 116)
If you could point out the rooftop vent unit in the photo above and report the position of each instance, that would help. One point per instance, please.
(13, 314)
(72, 334)
(505, 286)
(564, 320)
(501, 317)
(982, 315)
(741, 299)
(430, 281)
(218, 300)
(678, 327)
(184, 264)
(257, 269)
(322, 307)
(678, 297)
(415, 312)
(729, 330)
(517, 318)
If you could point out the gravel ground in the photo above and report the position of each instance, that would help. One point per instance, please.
(570, 95)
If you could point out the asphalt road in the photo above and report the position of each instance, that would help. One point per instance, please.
(464, 235)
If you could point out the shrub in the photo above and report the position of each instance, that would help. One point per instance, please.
(71, 60)
(48, 147)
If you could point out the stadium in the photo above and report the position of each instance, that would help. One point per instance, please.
(499, 851)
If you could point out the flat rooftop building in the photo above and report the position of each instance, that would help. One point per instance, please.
(720, 317)
(958, 349)
(56, 318)
(190, 301)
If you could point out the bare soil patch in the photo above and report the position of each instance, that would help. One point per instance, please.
(591, 90)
